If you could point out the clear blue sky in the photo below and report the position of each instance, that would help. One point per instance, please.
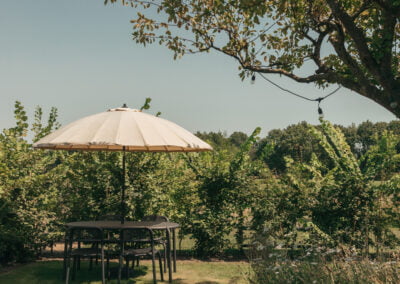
(78, 56)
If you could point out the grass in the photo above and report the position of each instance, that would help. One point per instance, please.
(188, 272)
(337, 271)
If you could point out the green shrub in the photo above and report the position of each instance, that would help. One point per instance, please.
(337, 271)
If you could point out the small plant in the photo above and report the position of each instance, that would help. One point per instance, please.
(318, 265)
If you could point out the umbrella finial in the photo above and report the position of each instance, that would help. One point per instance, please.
(124, 106)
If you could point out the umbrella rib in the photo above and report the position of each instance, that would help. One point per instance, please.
(141, 133)
(158, 132)
(178, 136)
(98, 131)
(119, 126)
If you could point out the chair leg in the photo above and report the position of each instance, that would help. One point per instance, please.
(154, 267)
(74, 264)
(68, 256)
(127, 268)
(65, 257)
(67, 269)
(103, 278)
(91, 263)
(108, 268)
(165, 257)
(120, 269)
(67, 275)
(78, 257)
(161, 268)
(79, 263)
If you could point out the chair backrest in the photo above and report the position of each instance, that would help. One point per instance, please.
(155, 218)
(86, 235)
(137, 235)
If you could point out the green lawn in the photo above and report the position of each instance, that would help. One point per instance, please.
(189, 271)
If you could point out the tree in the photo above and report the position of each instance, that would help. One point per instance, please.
(28, 189)
(340, 202)
(237, 138)
(293, 141)
(352, 43)
(228, 187)
(218, 140)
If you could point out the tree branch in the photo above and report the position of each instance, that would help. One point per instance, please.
(338, 43)
(387, 36)
(316, 56)
(358, 38)
(363, 8)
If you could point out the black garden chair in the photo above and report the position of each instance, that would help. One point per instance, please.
(83, 243)
(137, 243)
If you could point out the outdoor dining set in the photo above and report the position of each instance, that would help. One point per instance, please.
(110, 239)
(126, 130)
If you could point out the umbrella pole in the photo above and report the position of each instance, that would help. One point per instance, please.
(123, 186)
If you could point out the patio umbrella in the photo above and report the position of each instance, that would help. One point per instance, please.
(123, 129)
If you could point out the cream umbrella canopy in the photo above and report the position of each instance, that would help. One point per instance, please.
(123, 129)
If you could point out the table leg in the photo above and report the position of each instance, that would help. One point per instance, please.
(68, 260)
(103, 277)
(169, 256)
(65, 255)
(174, 248)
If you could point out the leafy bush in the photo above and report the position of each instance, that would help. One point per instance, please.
(319, 265)
(27, 195)
(343, 202)
(335, 197)
(339, 271)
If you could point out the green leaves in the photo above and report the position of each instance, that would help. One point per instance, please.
(351, 43)
(20, 130)
(146, 104)
(343, 202)
(28, 193)
(334, 143)
(323, 187)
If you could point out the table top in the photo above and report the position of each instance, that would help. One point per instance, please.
(116, 225)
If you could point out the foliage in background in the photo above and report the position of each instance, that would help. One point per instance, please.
(328, 192)
(228, 186)
(28, 197)
(324, 217)
(341, 202)
(293, 141)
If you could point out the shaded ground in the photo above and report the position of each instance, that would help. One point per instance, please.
(189, 272)
(48, 270)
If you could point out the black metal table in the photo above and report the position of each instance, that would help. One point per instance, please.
(117, 226)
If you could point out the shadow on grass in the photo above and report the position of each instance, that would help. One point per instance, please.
(231, 254)
(182, 281)
(85, 275)
(49, 272)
